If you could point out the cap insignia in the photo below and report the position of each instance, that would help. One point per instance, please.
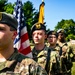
(38, 26)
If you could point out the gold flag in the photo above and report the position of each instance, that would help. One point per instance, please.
(41, 13)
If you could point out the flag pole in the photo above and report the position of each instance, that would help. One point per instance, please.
(42, 0)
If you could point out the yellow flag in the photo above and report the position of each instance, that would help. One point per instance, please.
(41, 13)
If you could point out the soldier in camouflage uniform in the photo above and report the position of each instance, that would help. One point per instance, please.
(41, 53)
(66, 53)
(52, 40)
(11, 61)
(61, 37)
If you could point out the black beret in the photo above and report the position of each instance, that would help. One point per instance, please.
(38, 26)
(52, 33)
(8, 19)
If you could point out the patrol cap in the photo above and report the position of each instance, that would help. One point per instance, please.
(8, 19)
(38, 26)
(61, 31)
(52, 33)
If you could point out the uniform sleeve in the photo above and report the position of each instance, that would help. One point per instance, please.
(38, 70)
(29, 67)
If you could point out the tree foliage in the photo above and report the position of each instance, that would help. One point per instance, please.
(9, 8)
(3, 3)
(31, 14)
(68, 26)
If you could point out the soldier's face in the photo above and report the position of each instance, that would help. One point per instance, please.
(6, 36)
(52, 39)
(60, 36)
(39, 36)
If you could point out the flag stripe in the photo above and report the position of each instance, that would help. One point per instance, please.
(25, 44)
(24, 37)
(26, 50)
(22, 40)
(23, 31)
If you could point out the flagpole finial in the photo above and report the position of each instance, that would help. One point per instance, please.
(42, 0)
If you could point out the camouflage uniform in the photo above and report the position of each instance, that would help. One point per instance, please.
(19, 64)
(57, 51)
(73, 49)
(73, 58)
(65, 59)
(66, 53)
(41, 58)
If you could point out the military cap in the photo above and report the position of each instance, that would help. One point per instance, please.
(61, 31)
(52, 33)
(38, 26)
(8, 19)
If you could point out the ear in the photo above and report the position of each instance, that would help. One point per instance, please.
(45, 36)
(14, 34)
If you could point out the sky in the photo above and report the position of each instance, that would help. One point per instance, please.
(55, 10)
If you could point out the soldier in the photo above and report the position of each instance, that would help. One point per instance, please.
(52, 40)
(11, 61)
(41, 53)
(61, 37)
(66, 52)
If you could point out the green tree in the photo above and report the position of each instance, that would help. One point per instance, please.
(68, 26)
(31, 15)
(3, 3)
(9, 8)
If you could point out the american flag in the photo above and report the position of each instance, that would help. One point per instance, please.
(22, 40)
